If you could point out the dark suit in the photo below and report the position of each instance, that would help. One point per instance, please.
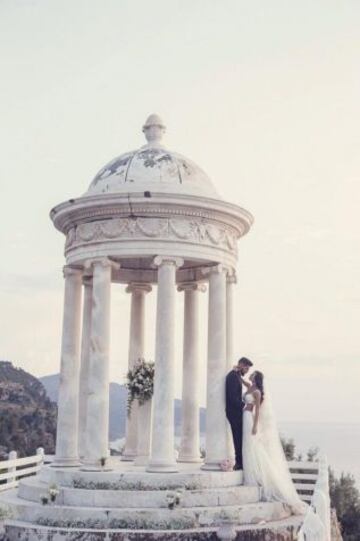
(234, 411)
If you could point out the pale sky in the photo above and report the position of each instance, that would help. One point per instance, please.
(264, 96)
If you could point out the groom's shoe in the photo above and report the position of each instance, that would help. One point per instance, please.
(237, 467)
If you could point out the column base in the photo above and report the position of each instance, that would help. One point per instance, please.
(141, 460)
(193, 459)
(211, 466)
(95, 467)
(128, 457)
(66, 462)
(162, 467)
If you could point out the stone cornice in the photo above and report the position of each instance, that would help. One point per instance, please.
(90, 209)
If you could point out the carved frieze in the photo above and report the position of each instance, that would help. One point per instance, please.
(191, 230)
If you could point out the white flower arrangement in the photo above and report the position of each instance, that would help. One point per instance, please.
(53, 492)
(140, 383)
(226, 465)
(173, 499)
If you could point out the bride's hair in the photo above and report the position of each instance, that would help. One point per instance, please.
(259, 382)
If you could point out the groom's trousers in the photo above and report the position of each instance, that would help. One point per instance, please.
(236, 423)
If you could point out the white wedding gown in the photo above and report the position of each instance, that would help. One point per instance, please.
(264, 462)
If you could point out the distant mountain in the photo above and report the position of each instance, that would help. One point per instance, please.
(118, 396)
(117, 417)
(27, 415)
(51, 384)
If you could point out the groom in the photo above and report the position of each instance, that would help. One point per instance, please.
(234, 405)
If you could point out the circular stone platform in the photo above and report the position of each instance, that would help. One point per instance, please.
(129, 503)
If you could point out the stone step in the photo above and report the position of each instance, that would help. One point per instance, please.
(285, 529)
(32, 489)
(138, 479)
(180, 518)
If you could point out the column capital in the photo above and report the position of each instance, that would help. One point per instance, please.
(135, 287)
(160, 260)
(215, 269)
(87, 280)
(231, 277)
(103, 261)
(68, 270)
(192, 286)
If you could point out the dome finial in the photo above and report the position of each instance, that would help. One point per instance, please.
(154, 129)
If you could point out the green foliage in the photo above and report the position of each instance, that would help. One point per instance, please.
(130, 523)
(122, 484)
(27, 416)
(5, 512)
(345, 498)
(289, 448)
(312, 454)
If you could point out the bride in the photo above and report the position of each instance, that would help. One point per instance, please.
(264, 462)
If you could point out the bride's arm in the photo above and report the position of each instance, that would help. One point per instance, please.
(246, 383)
(257, 396)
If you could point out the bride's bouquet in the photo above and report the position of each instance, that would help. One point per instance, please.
(140, 383)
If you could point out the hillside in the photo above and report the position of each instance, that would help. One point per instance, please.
(117, 406)
(27, 415)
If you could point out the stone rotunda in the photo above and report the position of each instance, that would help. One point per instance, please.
(150, 218)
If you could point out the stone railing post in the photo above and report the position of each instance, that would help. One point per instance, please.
(12, 469)
(41, 454)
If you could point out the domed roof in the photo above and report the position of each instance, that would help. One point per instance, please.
(152, 168)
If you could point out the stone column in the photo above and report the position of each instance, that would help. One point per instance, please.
(97, 430)
(230, 359)
(136, 351)
(68, 402)
(216, 423)
(162, 456)
(190, 427)
(85, 358)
